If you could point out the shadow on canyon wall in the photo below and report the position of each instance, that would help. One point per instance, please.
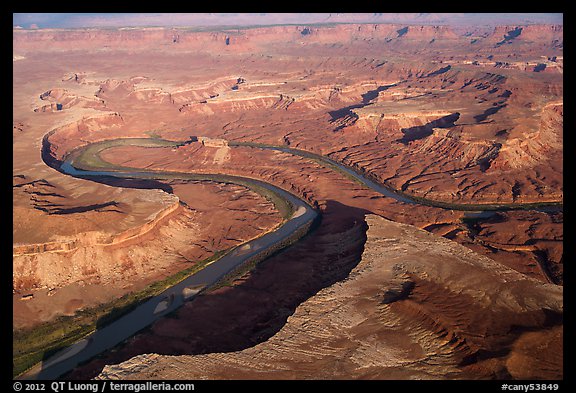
(420, 132)
(257, 307)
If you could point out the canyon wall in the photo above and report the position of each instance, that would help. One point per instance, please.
(243, 39)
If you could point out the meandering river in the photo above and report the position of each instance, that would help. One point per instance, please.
(174, 297)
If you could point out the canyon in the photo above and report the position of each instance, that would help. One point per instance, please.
(393, 290)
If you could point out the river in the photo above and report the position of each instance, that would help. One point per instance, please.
(174, 297)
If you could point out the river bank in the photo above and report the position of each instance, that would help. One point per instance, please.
(268, 243)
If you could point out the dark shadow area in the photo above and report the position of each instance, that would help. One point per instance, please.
(546, 264)
(482, 355)
(402, 31)
(512, 34)
(130, 183)
(345, 114)
(258, 306)
(342, 112)
(372, 94)
(439, 71)
(39, 193)
(108, 180)
(486, 161)
(420, 132)
(516, 189)
(119, 311)
(488, 112)
(531, 321)
(46, 355)
(395, 294)
(539, 67)
(82, 209)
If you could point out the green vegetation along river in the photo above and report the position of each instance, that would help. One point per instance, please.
(214, 273)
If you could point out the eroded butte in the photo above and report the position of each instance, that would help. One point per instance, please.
(452, 118)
